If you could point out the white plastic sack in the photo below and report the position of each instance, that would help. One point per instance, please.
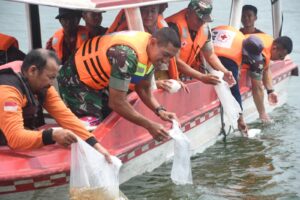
(231, 107)
(181, 173)
(175, 86)
(92, 177)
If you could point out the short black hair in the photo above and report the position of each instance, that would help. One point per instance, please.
(166, 35)
(38, 57)
(285, 42)
(251, 8)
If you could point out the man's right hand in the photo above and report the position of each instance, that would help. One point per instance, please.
(63, 137)
(158, 131)
(209, 79)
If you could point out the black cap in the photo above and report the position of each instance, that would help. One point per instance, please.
(63, 12)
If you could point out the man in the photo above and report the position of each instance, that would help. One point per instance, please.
(93, 23)
(110, 64)
(65, 41)
(249, 16)
(152, 17)
(258, 50)
(228, 43)
(153, 20)
(191, 26)
(24, 94)
(9, 49)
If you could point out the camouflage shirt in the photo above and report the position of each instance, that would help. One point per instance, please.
(124, 61)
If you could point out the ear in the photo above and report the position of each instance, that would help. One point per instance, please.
(153, 41)
(32, 70)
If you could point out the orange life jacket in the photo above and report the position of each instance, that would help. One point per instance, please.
(189, 49)
(228, 43)
(267, 42)
(119, 24)
(7, 41)
(58, 38)
(93, 66)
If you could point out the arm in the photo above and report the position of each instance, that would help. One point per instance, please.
(189, 71)
(70, 123)
(64, 117)
(215, 62)
(11, 123)
(145, 93)
(119, 103)
(267, 80)
(258, 97)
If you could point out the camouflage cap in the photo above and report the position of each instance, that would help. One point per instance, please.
(202, 9)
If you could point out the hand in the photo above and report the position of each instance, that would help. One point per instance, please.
(164, 84)
(184, 86)
(242, 126)
(103, 151)
(228, 77)
(158, 131)
(63, 137)
(272, 98)
(167, 116)
(264, 117)
(209, 79)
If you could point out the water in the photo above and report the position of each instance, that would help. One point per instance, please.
(265, 167)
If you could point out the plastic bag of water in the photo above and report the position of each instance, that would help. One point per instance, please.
(181, 173)
(92, 177)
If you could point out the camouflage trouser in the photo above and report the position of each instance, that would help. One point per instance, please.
(81, 99)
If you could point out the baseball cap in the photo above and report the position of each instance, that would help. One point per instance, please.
(252, 48)
(202, 8)
(63, 12)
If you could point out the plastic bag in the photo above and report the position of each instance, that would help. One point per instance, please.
(181, 173)
(175, 86)
(231, 107)
(92, 177)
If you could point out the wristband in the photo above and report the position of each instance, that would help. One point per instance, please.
(270, 91)
(159, 108)
(47, 137)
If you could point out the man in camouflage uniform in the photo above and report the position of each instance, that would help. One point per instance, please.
(124, 65)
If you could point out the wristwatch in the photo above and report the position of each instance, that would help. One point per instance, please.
(269, 91)
(159, 108)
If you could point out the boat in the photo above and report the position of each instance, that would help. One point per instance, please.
(28, 174)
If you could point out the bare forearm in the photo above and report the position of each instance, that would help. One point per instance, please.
(267, 79)
(215, 62)
(258, 96)
(125, 109)
(147, 97)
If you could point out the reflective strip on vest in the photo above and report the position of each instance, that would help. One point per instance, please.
(140, 72)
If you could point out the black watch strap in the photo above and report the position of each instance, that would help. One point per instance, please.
(270, 91)
(159, 108)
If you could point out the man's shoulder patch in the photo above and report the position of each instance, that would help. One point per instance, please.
(10, 106)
